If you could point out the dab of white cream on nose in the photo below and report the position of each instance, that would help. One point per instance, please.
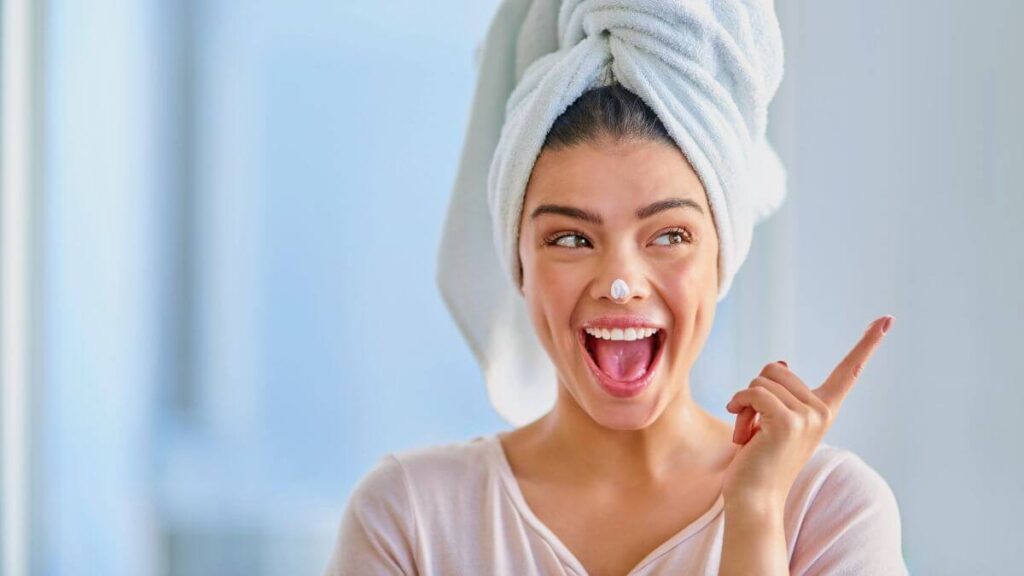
(620, 289)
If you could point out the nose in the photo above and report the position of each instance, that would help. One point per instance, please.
(614, 277)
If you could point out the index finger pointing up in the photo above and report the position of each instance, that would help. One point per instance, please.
(841, 381)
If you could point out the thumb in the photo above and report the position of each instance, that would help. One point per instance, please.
(845, 374)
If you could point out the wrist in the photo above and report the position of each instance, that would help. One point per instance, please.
(754, 540)
(757, 506)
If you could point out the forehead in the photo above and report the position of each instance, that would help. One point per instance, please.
(607, 174)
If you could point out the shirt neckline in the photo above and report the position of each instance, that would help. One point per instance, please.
(508, 480)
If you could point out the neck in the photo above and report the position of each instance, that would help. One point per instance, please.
(683, 437)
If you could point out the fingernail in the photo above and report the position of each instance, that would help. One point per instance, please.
(783, 362)
(887, 324)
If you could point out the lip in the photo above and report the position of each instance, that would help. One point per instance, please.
(614, 387)
(621, 321)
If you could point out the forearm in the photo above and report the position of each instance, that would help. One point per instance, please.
(754, 541)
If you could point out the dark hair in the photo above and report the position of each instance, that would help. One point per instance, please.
(608, 112)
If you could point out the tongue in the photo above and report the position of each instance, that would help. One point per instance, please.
(623, 360)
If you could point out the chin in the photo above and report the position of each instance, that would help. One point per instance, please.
(634, 413)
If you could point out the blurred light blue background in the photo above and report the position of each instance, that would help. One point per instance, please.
(240, 208)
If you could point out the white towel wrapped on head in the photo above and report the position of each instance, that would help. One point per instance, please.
(707, 68)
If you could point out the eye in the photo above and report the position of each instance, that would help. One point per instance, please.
(576, 240)
(677, 236)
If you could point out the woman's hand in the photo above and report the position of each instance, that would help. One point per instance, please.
(793, 420)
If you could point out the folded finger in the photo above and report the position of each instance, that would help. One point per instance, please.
(743, 422)
(783, 393)
(761, 400)
(784, 376)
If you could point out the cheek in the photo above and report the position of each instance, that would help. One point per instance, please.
(558, 276)
(684, 275)
(689, 283)
(554, 293)
(701, 268)
(552, 296)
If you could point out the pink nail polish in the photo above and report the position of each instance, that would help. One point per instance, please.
(887, 324)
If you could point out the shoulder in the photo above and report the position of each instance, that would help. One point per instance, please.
(836, 476)
(423, 480)
(380, 502)
(377, 533)
(437, 471)
(402, 494)
(449, 459)
(384, 482)
(397, 475)
(846, 516)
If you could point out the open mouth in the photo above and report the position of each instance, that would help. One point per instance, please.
(623, 367)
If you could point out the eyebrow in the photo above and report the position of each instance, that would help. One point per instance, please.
(645, 212)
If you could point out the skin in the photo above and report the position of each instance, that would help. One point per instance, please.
(660, 443)
(599, 439)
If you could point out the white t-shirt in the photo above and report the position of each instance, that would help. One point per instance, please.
(457, 509)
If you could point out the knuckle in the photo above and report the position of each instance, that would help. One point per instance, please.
(807, 415)
(801, 421)
(787, 426)
(814, 419)
(828, 413)
(858, 369)
(822, 412)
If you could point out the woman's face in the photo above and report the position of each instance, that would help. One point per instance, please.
(633, 210)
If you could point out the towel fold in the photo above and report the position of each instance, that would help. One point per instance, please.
(708, 69)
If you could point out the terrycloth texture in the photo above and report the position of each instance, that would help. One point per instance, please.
(457, 509)
(707, 68)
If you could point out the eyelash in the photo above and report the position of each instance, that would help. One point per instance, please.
(551, 240)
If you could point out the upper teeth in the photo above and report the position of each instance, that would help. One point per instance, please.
(620, 334)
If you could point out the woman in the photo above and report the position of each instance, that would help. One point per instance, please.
(617, 254)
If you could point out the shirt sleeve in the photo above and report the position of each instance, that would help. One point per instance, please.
(377, 528)
(852, 526)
